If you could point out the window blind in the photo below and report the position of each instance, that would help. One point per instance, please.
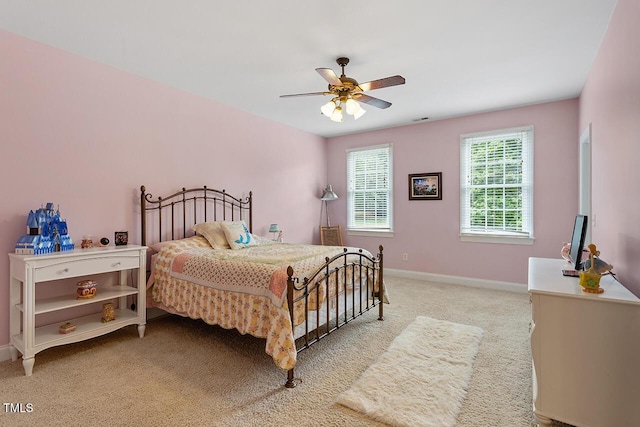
(496, 183)
(369, 188)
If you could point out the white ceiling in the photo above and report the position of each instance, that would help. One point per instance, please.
(458, 56)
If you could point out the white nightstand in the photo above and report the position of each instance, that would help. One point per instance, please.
(26, 271)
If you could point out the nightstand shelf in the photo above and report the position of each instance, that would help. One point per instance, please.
(69, 301)
(86, 327)
(28, 271)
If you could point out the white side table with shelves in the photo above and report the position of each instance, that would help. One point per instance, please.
(585, 349)
(27, 271)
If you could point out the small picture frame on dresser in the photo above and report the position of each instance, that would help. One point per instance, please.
(121, 238)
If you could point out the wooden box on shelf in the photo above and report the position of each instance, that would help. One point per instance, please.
(67, 328)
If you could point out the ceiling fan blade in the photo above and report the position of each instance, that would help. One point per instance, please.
(304, 94)
(380, 83)
(371, 100)
(330, 76)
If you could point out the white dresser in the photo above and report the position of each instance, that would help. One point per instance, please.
(585, 349)
(30, 271)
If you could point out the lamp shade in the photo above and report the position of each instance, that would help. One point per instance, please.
(328, 108)
(328, 194)
(352, 106)
(274, 228)
(336, 116)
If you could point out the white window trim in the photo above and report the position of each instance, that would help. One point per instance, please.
(370, 233)
(377, 232)
(499, 237)
(482, 238)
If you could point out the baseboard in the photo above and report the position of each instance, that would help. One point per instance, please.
(4, 353)
(457, 280)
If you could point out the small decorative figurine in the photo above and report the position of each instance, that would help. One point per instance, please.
(108, 312)
(564, 252)
(87, 242)
(86, 289)
(600, 266)
(46, 233)
(595, 269)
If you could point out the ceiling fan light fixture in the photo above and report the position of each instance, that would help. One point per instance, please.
(348, 94)
(352, 106)
(337, 115)
(328, 108)
(359, 113)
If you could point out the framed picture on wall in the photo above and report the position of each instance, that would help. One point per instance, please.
(425, 186)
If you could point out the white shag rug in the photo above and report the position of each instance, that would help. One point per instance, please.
(422, 378)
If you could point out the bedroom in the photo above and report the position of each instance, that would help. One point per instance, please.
(85, 135)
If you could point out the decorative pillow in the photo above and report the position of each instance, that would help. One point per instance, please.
(238, 234)
(213, 232)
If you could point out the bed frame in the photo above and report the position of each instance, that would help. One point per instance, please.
(172, 217)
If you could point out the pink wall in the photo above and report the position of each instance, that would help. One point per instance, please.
(86, 136)
(428, 230)
(610, 101)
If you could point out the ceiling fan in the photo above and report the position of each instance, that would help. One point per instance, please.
(346, 93)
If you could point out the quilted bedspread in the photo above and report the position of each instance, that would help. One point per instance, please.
(243, 289)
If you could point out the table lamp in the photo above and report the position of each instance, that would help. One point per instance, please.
(274, 228)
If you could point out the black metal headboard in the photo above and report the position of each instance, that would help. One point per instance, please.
(174, 215)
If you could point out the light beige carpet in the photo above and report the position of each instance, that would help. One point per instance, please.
(422, 378)
(185, 372)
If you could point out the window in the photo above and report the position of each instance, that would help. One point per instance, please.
(496, 186)
(369, 189)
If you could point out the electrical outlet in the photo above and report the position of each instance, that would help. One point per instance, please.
(405, 257)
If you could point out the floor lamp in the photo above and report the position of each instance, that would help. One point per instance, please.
(327, 196)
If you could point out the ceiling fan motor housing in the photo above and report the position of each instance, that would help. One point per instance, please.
(348, 86)
(342, 62)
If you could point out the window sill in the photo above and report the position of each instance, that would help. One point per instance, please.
(370, 233)
(507, 240)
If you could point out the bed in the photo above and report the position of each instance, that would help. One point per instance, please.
(206, 263)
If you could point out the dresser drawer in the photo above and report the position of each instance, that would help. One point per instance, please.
(85, 266)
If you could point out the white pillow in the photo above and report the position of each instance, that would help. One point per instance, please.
(213, 232)
(238, 235)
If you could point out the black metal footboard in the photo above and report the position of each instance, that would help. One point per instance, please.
(347, 286)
